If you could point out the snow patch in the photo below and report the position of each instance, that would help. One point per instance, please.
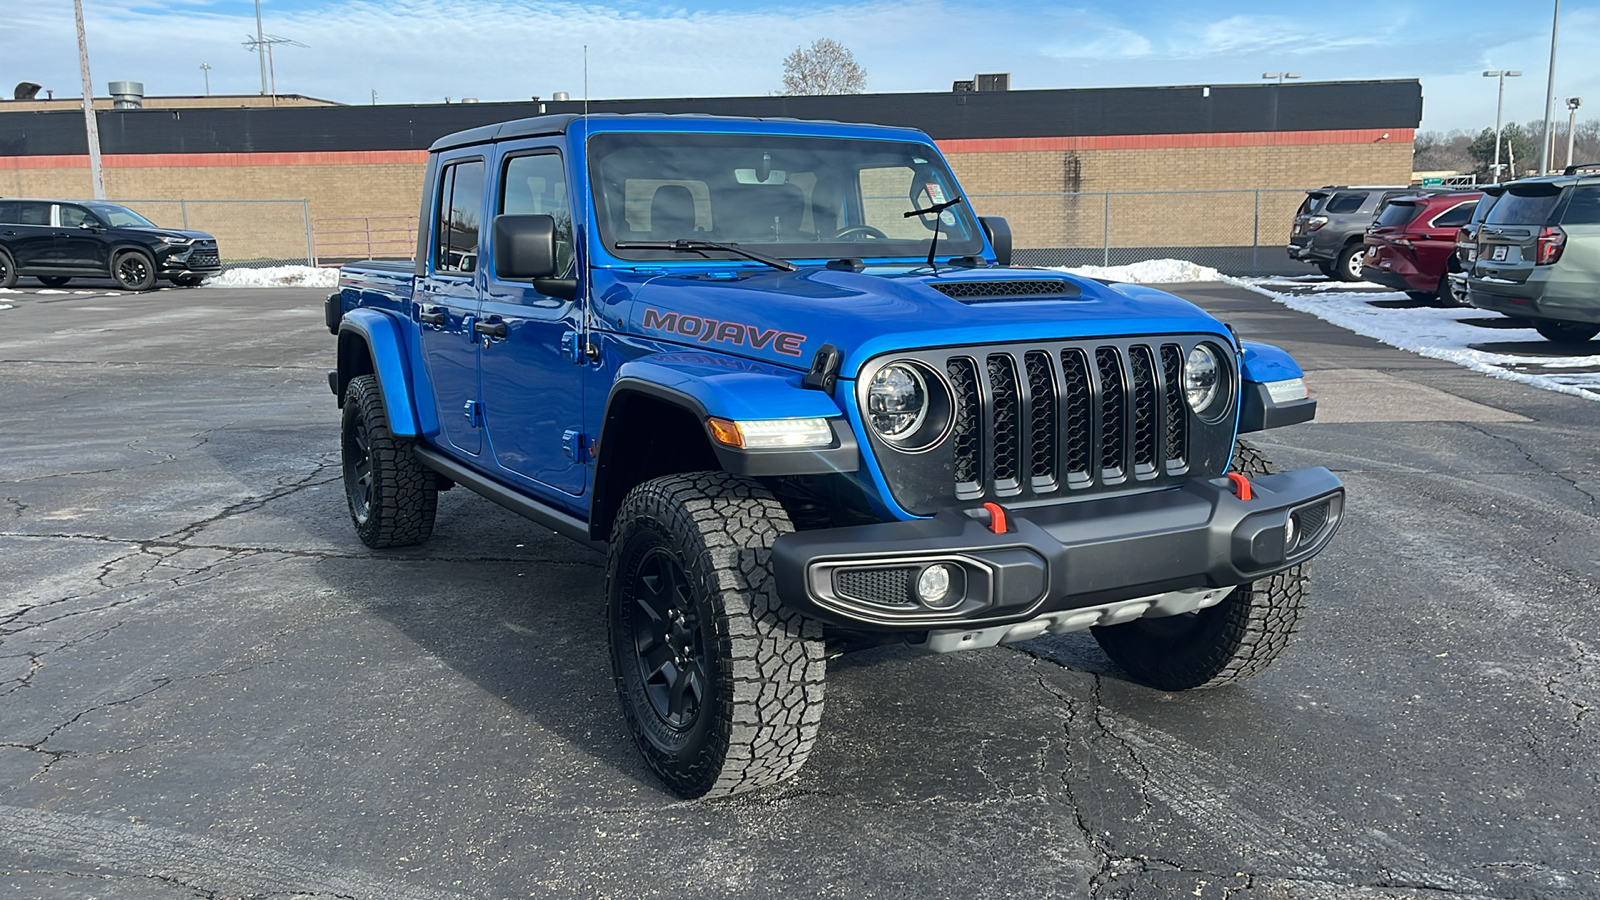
(1154, 271)
(276, 276)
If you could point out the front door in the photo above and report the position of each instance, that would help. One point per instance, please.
(446, 302)
(80, 239)
(532, 389)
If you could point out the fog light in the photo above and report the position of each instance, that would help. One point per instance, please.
(1289, 535)
(933, 585)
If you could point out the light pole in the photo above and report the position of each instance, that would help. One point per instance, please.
(1499, 109)
(1572, 121)
(91, 127)
(205, 69)
(1549, 95)
(1279, 75)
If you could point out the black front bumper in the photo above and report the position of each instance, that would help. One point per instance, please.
(1059, 556)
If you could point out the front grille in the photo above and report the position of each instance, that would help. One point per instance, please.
(203, 258)
(1009, 289)
(1080, 417)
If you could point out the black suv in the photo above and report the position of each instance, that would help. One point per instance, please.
(54, 240)
(1331, 223)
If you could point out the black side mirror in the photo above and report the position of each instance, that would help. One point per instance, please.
(999, 237)
(524, 247)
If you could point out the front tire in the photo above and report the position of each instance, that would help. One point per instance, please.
(54, 281)
(721, 686)
(1222, 644)
(188, 281)
(134, 270)
(392, 498)
(1566, 332)
(8, 270)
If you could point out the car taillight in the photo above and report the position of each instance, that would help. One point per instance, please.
(1315, 222)
(1551, 241)
(1463, 237)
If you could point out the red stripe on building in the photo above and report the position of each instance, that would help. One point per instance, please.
(1170, 141)
(192, 160)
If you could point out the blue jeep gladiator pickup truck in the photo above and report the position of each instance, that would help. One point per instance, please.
(791, 385)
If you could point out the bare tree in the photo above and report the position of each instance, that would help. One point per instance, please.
(826, 67)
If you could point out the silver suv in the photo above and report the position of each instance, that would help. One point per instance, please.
(1538, 255)
(1329, 226)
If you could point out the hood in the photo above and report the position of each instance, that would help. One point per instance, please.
(784, 317)
(176, 232)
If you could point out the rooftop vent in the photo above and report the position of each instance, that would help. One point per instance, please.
(25, 90)
(127, 94)
(560, 96)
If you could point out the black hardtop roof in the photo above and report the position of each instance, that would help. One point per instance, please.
(559, 123)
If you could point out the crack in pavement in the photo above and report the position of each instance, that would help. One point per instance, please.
(1544, 469)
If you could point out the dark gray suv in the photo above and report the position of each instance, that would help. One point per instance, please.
(1331, 222)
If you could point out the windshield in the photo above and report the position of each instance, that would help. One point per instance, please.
(121, 217)
(793, 197)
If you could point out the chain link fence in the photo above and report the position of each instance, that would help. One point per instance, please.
(1240, 232)
(249, 233)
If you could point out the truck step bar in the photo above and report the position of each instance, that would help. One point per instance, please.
(560, 523)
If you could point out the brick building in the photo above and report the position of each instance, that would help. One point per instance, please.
(1066, 166)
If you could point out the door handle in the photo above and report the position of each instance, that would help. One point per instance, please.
(490, 329)
(434, 316)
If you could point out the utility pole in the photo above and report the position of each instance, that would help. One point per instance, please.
(1572, 123)
(1549, 95)
(90, 126)
(205, 68)
(1499, 110)
(260, 41)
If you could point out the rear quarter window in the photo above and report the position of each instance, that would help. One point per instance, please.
(1455, 216)
(1584, 206)
(1345, 202)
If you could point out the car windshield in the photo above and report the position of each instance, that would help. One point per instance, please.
(121, 217)
(792, 197)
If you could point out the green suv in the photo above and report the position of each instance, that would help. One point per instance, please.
(1538, 255)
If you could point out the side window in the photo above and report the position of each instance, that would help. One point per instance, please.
(75, 216)
(1584, 207)
(1345, 202)
(455, 249)
(1456, 216)
(33, 213)
(537, 186)
(8, 212)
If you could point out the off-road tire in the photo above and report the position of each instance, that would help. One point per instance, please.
(8, 270)
(716, 624)
(1566, 332)
(54, 281)
(134, 270)
(1218, 645)
(1348, 266)
(392, 497)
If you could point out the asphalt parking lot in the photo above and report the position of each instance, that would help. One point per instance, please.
(210, 688)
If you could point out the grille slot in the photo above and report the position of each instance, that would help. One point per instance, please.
(1007, 428)
(1009, 289)
(1113, 410)
(880, 587)
(966, 435)
(1144, 412)
(1077, 410)
(1177, 432)
(1042, 414)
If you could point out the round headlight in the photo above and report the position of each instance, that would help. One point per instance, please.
(1202, 378)
(897, 401)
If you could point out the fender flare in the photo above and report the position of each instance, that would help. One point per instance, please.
(1259, 365)
(379, 335)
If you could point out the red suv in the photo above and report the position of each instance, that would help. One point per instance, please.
(1411, 247)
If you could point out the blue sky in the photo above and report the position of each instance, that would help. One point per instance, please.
(419, 51)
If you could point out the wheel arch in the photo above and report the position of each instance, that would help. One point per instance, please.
(649, 431)
(370, 344)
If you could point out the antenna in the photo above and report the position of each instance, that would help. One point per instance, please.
(586, 84)
(266, 43)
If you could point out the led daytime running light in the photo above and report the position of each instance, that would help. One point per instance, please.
(770, 434)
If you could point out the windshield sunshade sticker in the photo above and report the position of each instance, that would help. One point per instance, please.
(705, 330)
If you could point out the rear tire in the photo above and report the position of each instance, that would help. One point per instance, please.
(1327, 270)
(1222, 644)
(721, 686)
(1566, 332)
(392, 498)
(1348, 266)
(134, 270)
(1448, 295)
(8, 270)
(54, 280)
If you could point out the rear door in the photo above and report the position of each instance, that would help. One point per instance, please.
(28, 236)
(446, 303)
(1508, 241)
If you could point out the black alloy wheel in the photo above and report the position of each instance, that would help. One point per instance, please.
(392, 498)
(669, 640)
(8, 272)
(134, 271)
(358, 471)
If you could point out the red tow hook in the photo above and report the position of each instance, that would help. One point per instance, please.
(1241, 485)
(997, 518)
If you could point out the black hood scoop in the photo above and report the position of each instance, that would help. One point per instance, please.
(1007, 289)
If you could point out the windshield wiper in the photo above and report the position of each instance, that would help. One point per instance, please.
(936, 209)
(700, 247)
